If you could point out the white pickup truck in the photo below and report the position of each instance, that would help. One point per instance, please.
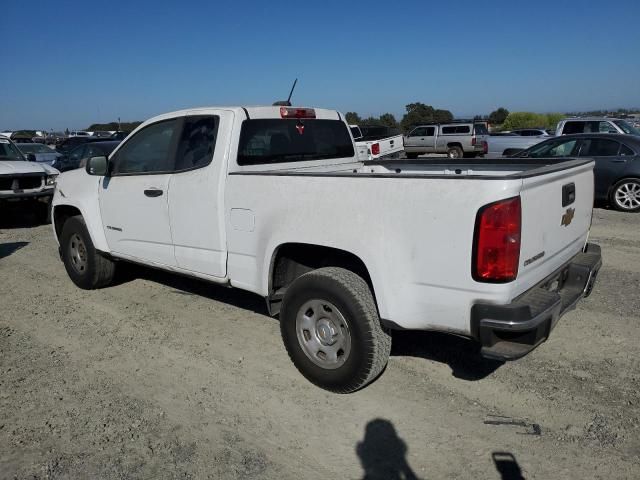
(275, 201)
(375, 142)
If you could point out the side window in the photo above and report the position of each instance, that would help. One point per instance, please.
(93, 151)
(599, 147)
(562, 149)
(573, 127)
(448, 130)
(606, 127)
(626, 151)
(150, 150)
(78, 152)
(418, 132)
(197, 142)
(430, 131)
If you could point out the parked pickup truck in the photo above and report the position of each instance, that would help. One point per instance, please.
(374, 142)
(456, 139)
(28, 182)
(506, 144)
(275, 201)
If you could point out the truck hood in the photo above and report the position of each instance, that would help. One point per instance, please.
(9, 167)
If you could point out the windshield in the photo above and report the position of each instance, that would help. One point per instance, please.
(34, 148)
(626, 128)
(8, 151)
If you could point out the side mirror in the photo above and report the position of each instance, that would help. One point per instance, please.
(31, 157)
(98, 166)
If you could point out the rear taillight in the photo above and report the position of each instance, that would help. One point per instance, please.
(485, 147)
(473, 141)
(375, 149)
(496, 251)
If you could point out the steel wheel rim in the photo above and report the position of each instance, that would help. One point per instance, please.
(627, 195)
(323, 334)
(453, 154)
(78, 253)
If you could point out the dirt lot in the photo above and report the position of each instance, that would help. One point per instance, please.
(165, 377)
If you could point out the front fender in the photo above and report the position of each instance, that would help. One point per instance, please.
(79, 190)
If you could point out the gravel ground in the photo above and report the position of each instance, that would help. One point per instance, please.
(166, 377)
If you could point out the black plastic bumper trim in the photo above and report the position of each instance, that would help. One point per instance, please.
(508, 332)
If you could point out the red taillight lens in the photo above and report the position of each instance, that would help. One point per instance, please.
(485, 147)
(375, 149)
(293, 112)
(496, 251)
(473, 141)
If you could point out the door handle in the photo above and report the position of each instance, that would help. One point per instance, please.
(153, 192)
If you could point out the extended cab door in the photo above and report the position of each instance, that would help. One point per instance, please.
(196, 193)
(422, 138)
(133, 199)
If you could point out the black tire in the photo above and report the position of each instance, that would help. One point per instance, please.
(629, 188)
(94, 270)
(411, 156)
(370, 344)
(455, 152)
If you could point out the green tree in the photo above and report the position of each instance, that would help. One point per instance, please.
(524, 120)
(497, 117)
(553, 119)
(442, 116)
(420, 113)
(370, 121)
(388, 120)
(353, 118)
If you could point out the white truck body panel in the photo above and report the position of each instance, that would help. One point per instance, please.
(497, 145)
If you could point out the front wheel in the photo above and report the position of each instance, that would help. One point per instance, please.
(331, 330)
(625, 195)
(86, 267)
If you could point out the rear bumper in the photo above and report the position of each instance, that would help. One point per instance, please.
(508, 332)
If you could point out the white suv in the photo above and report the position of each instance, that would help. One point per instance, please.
(595, 125)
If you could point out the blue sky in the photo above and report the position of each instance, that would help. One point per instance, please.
(69, 64)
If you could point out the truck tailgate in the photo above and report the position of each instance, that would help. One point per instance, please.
(380, 148)
(556, 218)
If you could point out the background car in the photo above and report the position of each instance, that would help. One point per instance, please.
(530, 132)
(68, 144)
(77, 157)
(570, 126)
(617, 169)
(38, 153)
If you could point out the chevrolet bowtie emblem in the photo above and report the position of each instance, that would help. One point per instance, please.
(568, 217)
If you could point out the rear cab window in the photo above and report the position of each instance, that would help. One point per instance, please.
(268, 141)
(480, 129)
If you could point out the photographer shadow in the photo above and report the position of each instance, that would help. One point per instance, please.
(382, 453)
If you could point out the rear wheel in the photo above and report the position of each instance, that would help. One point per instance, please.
(625, 195)
(86, 267)
(455, 152)
(331, 330)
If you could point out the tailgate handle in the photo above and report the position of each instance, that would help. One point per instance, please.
(568, 194)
